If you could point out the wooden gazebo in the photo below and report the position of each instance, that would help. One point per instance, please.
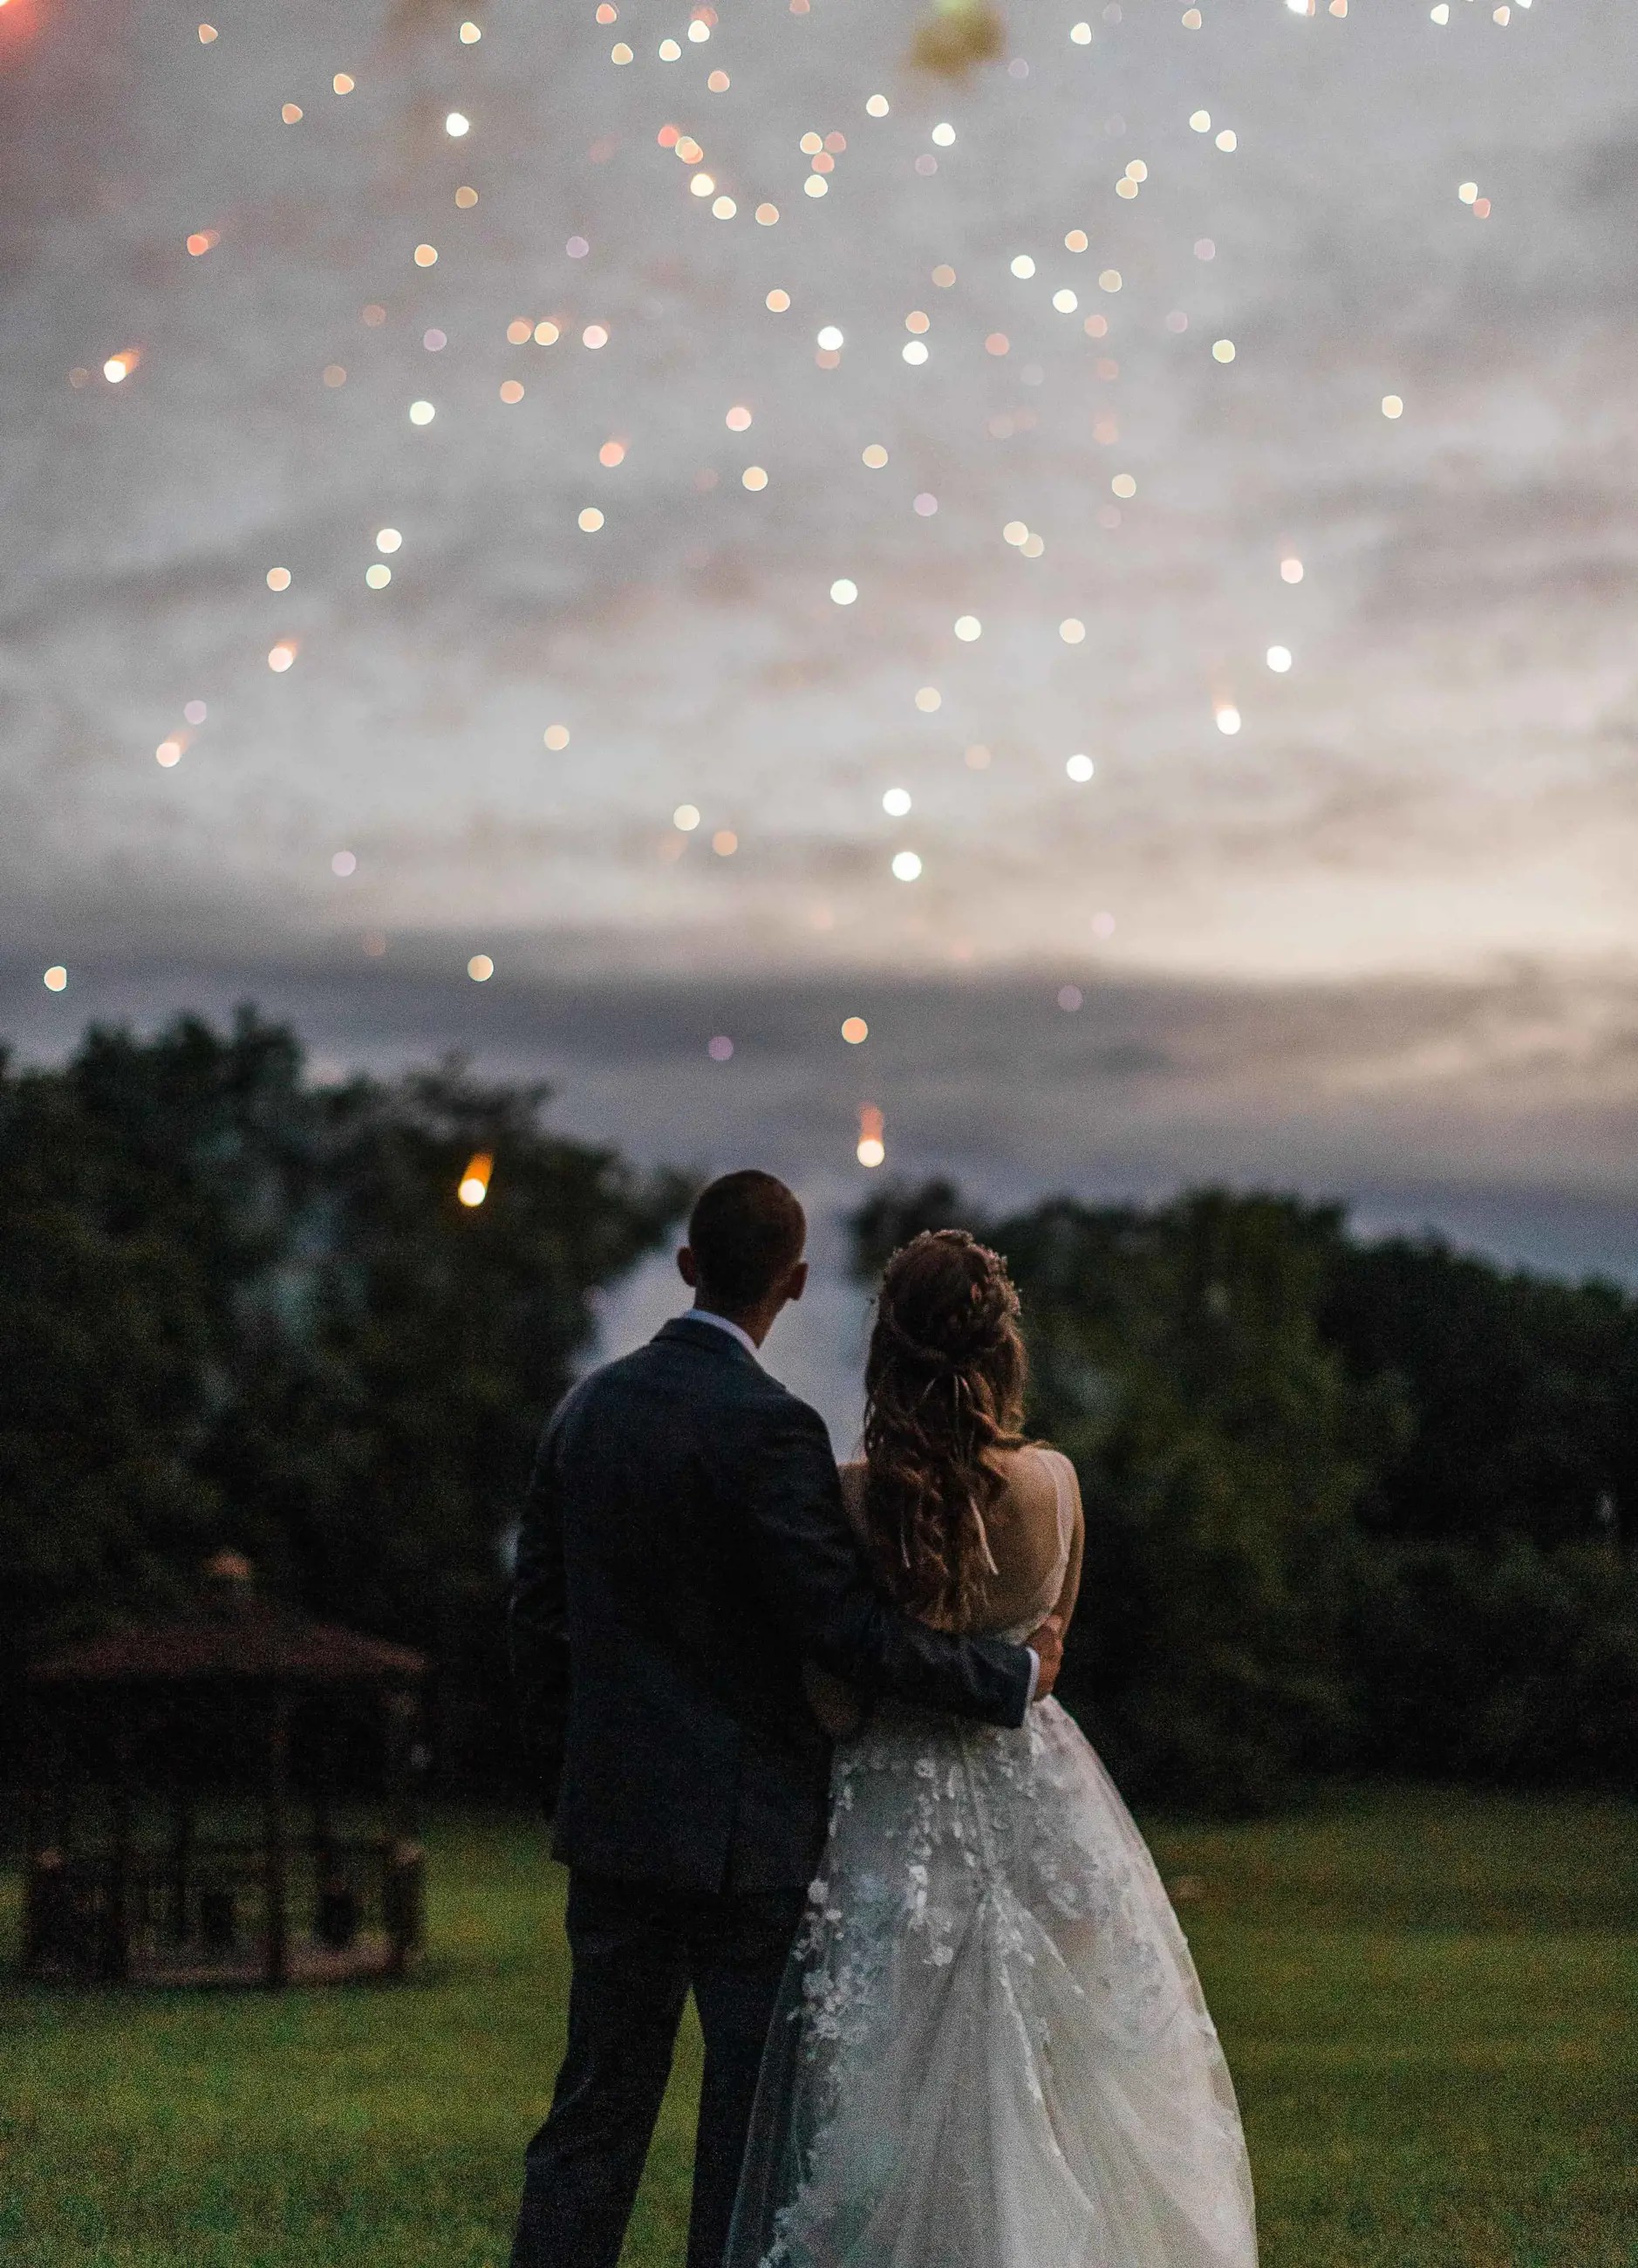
(226, 1798)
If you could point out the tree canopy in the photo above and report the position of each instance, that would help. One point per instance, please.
(238, 1306)
(1348, 1505)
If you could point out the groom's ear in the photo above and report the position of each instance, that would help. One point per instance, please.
(796, 1282)
(688, 1268)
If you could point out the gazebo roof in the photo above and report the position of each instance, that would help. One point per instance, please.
(235, 1635)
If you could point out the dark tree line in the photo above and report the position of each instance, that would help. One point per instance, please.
(241, 1307)
(1350, 1507)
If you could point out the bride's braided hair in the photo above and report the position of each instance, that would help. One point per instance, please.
(944, 1386)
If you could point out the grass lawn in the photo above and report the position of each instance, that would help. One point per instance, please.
(1429, 2001)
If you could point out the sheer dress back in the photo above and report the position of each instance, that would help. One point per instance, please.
(992, 2050)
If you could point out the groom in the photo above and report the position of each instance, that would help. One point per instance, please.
(683, 1548)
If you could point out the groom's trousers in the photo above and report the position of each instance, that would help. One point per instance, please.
(637, 1950)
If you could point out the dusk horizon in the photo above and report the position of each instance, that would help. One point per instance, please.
(1195, 589)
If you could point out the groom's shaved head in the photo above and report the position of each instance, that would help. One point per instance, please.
(746, 1231)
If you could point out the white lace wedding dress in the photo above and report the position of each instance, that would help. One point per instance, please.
(992, 2050)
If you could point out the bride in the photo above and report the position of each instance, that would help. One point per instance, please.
(992, 2051)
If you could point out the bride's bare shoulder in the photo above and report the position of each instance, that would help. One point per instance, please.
(1022, 1467)
(1033, 1474)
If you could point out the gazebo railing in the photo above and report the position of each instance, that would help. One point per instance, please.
(219, 1913)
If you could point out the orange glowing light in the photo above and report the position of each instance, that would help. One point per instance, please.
(474, 1182)
(872, 1150)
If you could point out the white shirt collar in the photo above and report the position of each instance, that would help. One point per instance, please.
(734, 1330)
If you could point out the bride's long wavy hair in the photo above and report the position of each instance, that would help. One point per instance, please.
(944, 1386)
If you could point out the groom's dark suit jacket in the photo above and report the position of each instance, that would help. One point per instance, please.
(683, 1547)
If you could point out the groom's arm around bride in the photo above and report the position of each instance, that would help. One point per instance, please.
(683, 1545)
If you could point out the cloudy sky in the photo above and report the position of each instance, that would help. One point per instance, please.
(1381, 941)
